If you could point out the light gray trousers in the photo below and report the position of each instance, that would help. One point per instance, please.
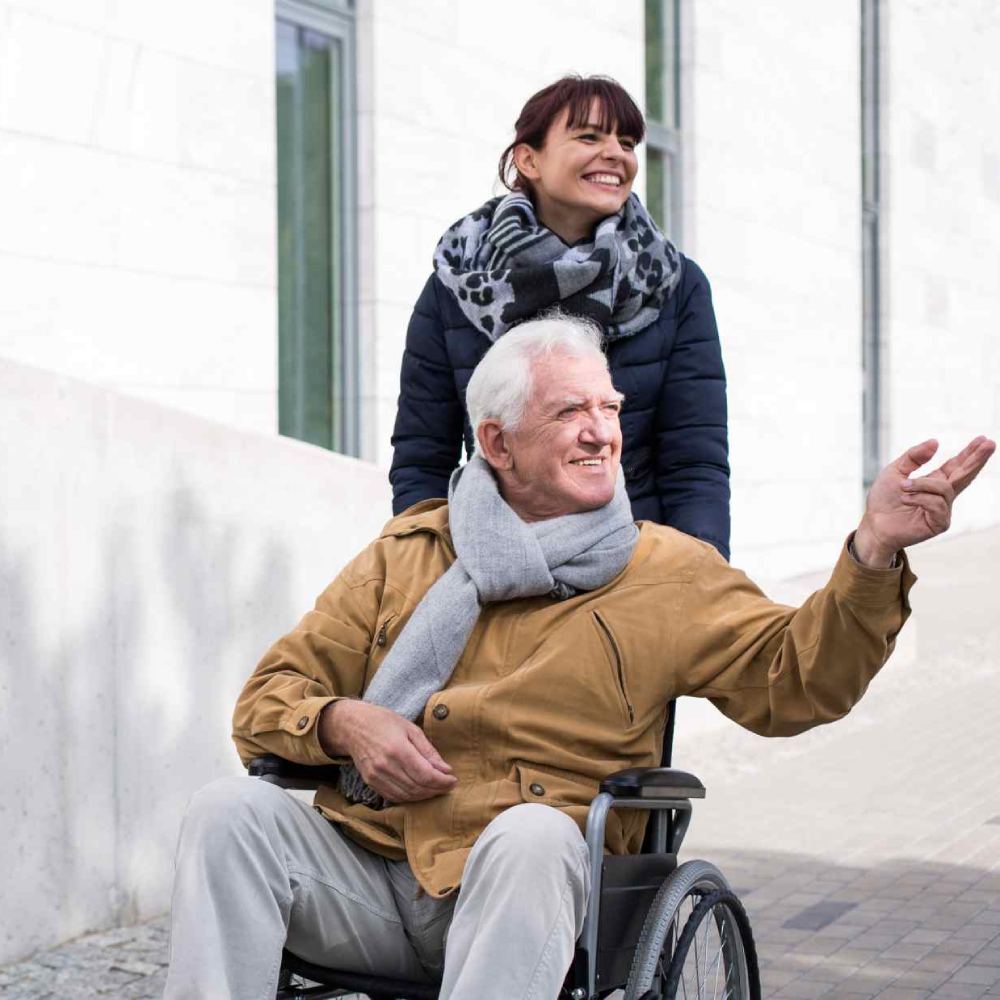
(257, 868)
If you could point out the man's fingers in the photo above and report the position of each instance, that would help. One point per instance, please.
(427, 750)
(933, 483)
(968, 463)
(914, 457)
(422, 773)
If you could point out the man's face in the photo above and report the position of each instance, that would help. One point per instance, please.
(565, 452)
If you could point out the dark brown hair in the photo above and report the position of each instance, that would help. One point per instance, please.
(618, 113)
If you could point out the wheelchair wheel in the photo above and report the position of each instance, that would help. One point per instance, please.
(715, 955)
(680, 925)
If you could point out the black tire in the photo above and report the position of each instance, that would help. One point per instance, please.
(725, 966)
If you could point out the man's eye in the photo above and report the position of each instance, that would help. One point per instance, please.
(568, 412)
(613, 407)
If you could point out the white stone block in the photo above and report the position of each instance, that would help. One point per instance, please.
(38, 53)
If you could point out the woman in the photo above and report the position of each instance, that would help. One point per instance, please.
(571, 234)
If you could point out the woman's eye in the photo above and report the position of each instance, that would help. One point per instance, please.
(628, 144)
(588, 137)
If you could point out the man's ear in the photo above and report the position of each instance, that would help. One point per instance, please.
(525, 161)
(494, 445)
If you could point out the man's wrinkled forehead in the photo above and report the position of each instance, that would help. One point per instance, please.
(570, 380)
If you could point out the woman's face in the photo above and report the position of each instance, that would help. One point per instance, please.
(580, 175)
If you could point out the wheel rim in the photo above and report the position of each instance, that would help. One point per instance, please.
(707, 959)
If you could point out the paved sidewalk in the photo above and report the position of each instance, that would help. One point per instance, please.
(867, 852)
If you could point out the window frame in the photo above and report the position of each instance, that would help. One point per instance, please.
(336, 19)
(872, 394)
(664, 138)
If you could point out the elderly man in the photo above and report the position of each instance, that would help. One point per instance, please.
(479, 668)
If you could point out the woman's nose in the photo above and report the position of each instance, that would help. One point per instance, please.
(613, 149)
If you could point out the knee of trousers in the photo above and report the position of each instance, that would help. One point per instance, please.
(228, 806)
(536, 837)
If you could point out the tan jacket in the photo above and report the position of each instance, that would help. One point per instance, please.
(551, 696)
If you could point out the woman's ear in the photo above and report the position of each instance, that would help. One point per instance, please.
(494, 445)
(526, 161)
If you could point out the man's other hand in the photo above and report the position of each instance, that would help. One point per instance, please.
(391, 753)
(902, 510)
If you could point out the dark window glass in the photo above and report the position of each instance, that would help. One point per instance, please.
(662, 103)
(313, 374)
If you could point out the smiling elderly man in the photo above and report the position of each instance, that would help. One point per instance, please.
(479, 668)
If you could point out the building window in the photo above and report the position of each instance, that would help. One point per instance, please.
(663, 115)
(317, 301)
(871, 345)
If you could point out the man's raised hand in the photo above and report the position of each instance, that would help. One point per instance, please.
(390, 752)
(903, 510)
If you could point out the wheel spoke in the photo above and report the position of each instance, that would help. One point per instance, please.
(704, 949)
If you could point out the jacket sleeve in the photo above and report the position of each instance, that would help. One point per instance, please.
(321, 660)
(777, 670)
(691, 432)
(427, 438)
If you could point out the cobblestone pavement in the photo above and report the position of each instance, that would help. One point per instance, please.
(867, 852)
(126, 962)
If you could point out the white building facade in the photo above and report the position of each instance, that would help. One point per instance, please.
(228, 208)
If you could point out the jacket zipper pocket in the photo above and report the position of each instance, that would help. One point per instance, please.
(381, 637)
(616, 656)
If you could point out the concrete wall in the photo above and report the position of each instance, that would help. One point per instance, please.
(147, 559)
(941, 233)
(137, 193)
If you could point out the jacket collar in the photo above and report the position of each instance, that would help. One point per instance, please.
(428, 515)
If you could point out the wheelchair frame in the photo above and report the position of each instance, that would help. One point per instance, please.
(625, 888)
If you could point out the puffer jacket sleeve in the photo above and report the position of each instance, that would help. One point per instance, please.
(691, 432)
(427, 438)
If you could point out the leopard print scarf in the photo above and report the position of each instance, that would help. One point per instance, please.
(503, 267)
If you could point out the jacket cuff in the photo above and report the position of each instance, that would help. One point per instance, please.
(868, 585)
(302, 722)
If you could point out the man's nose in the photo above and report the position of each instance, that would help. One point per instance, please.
(599, 427)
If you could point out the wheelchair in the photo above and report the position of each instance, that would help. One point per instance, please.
(655, 928)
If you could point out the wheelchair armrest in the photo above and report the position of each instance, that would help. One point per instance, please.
(653, 783)
(288, 774)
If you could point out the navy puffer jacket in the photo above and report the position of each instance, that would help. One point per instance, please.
(674, 452)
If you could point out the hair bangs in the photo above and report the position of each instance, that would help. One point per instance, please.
(617, 112)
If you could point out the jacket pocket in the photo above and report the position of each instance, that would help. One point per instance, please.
(553, 787)
(381, 639)
(617, 663)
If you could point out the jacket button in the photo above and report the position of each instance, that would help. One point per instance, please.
(440, 712)
(536, 789)
(303, 722)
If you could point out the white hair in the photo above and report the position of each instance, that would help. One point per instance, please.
(501, 385)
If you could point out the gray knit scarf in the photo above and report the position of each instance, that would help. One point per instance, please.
(503, 266)
(499, 558)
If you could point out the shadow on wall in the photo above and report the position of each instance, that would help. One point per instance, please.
(123, 656)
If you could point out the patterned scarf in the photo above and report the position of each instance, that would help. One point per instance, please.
(503, 267)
